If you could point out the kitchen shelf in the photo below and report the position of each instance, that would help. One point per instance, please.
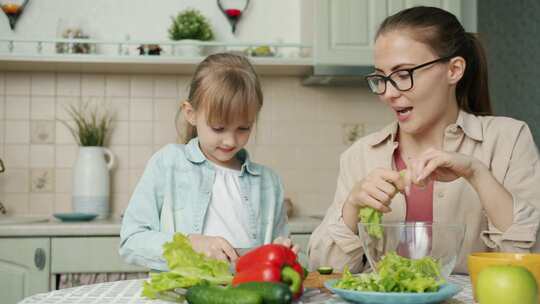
(39, 55)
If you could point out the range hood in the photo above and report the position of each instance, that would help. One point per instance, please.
(338, 75)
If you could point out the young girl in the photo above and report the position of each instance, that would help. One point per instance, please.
(208, 188)
(479, 171)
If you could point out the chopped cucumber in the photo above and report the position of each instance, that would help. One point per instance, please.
(325, 270)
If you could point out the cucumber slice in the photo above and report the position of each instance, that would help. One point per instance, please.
(325, 270)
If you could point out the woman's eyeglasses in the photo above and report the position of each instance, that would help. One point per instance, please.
(402, 79)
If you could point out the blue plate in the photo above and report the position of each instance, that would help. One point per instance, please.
(446, 291)
(75, 217)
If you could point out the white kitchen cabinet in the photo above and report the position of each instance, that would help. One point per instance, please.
(30, 265)
(344, 30)
(24, 268)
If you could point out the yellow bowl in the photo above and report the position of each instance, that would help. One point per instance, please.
(480, 260)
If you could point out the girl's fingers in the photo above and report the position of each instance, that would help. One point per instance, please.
(295, 249)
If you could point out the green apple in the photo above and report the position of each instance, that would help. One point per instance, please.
(506, 284)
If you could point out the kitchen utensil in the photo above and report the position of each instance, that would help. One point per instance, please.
(446, 291)
(413, 240)
(75, 216)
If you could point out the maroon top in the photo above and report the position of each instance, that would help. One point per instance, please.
(420, 199)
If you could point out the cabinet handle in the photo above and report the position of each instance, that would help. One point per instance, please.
(40, 258)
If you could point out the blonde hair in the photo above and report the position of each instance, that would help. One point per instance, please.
(227, 88)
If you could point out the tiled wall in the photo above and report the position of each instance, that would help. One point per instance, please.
(300, 133)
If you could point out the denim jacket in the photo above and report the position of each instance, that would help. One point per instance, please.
(173, 195)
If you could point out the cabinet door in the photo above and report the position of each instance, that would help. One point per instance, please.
(345, 29)
(88, 254)
(453, 6)
(24, 268)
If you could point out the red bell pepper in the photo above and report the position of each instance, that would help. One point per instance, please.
(271, 263)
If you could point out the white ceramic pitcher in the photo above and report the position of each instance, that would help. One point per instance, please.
(91, 181)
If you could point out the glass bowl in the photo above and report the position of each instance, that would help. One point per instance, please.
(413, 240)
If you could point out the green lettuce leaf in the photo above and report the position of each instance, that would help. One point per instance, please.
(183, 260)
(397, 274)
(368, 215)
(187, 268)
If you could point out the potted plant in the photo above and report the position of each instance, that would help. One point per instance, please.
(91, 129)
(190, 26)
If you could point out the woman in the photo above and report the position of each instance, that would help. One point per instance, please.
(462, 166)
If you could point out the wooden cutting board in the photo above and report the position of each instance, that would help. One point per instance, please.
(316, 280)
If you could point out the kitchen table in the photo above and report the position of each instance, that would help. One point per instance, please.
(129, 292)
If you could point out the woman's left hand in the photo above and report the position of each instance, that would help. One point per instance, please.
(442, 166)
(287, 243)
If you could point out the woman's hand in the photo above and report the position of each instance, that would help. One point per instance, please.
(213, 246)
(377, 190)
(443, 166)
(287, 243)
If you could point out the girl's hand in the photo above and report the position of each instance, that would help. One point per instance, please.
(377, 190)
(213, 246)
(287, 243)
(442, 166)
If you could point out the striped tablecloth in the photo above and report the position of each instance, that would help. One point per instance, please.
(129, 292)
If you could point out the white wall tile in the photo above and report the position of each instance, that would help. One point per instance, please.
(2, 83)
(42, 107)
(119, 106)
(42, 180)
(119, 133)
(141, 133)
(183, 83)
(117, 85)
(17, 84)
(2, 132)
(142, 86)
(121, 153)
(17, 107)
(63, 180)
(119, 202)
(93, 85)
(42, 132)
(68, 84)
(164, 133)
(16, 156)
(62, 203)
(17, 132)
(63, 105)
(42, 156)
(16, 203)
(43, 84)
(165, 109)
(2, 107)
(139, 156)
(16, 180)
(165, 86)
(66, 155)
(120, 181)
(141, 109)
(41, 203)
(63, 135)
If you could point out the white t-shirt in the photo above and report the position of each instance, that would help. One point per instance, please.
(227, 216)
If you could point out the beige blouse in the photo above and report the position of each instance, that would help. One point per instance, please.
(505, 145)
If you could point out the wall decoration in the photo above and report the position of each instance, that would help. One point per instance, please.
(233, 11)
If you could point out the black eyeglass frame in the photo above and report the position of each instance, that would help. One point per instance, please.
(410, 71)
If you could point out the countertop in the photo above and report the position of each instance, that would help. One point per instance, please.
(48, 227)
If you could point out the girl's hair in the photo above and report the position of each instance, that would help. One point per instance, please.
(445, 35)
(226, 87)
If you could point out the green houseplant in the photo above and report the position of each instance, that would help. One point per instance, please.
(189, 26)
(91, 185)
